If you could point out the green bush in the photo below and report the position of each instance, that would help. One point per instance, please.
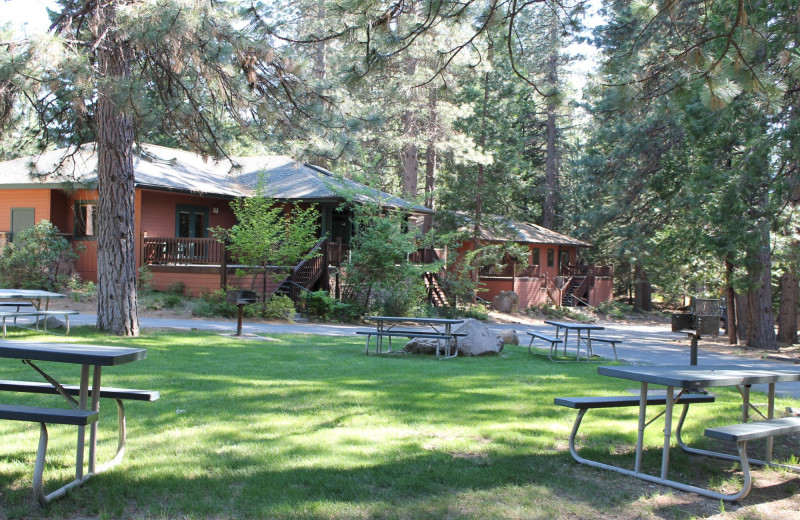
(171, 300)
(616, 310)
(320, 305)
(38, 258)
(213, 303)
(80, 291)
(277, 307)
(475, 311)
(178, 288)
(145, 281)
(347, 312)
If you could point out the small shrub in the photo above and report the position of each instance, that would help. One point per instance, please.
(347, 312)
(177, 288)
(145, 281)
(615, 310)
(476, 311)
(320, 305)
(212, 304)
(172, 300)
(277, 307)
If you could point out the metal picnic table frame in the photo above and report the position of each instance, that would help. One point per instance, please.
(691, 378)
(577, 327)
(91, 358)
(386, 324)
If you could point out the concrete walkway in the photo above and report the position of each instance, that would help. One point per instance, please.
(646, 344)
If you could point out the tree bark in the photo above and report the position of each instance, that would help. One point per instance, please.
(431, 159)
(787, 315)
(730, 297)
(551, 159)
(643, 292)
(117, 310)
(321, 51)
(743, 318)
(762, 325)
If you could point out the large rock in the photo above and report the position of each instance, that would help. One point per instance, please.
(423, 346)
(509, 337)
(478, 340)
(506, 301)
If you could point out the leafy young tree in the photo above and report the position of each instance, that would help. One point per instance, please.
(378, 273)
(268, 233)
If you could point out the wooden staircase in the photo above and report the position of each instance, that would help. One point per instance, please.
(575, 294)
(303, 276)
(436, 295)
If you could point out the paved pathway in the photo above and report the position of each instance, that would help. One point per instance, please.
(647, 344)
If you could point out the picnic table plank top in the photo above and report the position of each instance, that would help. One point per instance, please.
(701, 376)
(574, 325)
(72, 353)
(8, 294)
(434, 321)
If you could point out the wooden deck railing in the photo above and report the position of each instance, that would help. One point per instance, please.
(587, 270)
(511, 270)
(182, 251)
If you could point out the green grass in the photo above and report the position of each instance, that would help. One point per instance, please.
(309, 427)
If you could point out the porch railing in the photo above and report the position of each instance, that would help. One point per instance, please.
(510, 270)
(182, 251)
(587, 270)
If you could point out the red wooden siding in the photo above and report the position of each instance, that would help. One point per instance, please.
(38, 199)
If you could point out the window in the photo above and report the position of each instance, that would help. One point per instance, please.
(536, 259)
(565, 258)
(551, 257)
(86, 219)
(191, 221)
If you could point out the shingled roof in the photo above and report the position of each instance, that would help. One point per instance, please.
(508, 230)
(161, 168)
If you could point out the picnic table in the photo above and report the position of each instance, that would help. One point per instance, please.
(32, 298)
(439, 329)
(578, 328)
(690, 379)
(82, 412)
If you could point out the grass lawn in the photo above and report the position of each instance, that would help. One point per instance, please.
(309, 427)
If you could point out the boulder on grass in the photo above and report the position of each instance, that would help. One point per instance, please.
(422, 346)
(478, 340)
(50, 323)
(509, 337)
(506, 301)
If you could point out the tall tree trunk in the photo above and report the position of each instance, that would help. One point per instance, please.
(409, 155)
(787, 316)
(730, 297)
(551, 159)
(476, 230)
(643, 292)
(762, 326)
(117, 311)
(321, 51)
(409, 158)
(743, 317)
(431, 164)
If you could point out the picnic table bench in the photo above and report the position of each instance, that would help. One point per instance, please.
(83, 411)
(384, 328)
(690, 379)
(36, 314)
